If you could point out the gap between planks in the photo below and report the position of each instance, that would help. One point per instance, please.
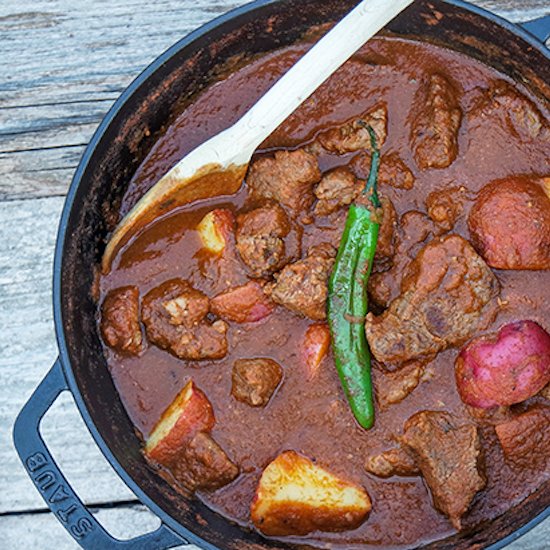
(69, 60)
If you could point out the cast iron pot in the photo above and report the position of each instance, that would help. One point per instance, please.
(117, 148)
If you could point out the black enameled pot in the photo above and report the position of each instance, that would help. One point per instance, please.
(117, 148)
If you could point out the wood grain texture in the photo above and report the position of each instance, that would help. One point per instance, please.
(64, 62)
(27, 349)
(67, 61)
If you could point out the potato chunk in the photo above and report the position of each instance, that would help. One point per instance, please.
(189, 413)
(315, 347)
(215, 229)
(504, 368)
(242, 304)
(296, 497)
(510, 224)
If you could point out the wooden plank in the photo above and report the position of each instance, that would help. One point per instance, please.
(27, 350)
(64, 42)
(38, 173)
(516, 10)
(68, 61)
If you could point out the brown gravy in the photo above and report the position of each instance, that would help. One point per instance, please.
(314, 418)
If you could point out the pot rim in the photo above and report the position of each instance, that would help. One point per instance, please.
(82, 168)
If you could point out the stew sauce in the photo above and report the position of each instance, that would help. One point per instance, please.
(312, 417)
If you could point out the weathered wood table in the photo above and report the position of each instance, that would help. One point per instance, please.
(63, 63)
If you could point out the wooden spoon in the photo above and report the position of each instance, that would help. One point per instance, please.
(220, 163)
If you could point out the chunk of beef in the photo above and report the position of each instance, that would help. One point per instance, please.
(435, 123)
(490, 417)
(243, 304)
(383, 287)
(187, 307)
(206, 341)
(302, 286)
(203, 464)
(288, 177)
(120, 320)
(395, 462)
(519, 113)
(354, 135)
(392, 172)
(525, 439)
(446, 205)
(225, 269)
(393, 387)
(413, 229)
(447, 295)
(448, 455)
(510, 224)
(385, 248)
(261, 239)
(222, 273)
(450, 459)
(174, 317)
(255, 380)
(338, 188)
(395, 173)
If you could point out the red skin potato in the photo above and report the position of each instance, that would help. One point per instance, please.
(316, 344)
(504, 368)
(189, 413)
(510, 224)
(243, 304)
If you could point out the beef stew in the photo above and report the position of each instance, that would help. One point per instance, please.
(249, 285)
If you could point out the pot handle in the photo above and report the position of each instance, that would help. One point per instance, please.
(539, 28)
(53, 486)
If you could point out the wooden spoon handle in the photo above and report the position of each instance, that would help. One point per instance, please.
(319, 63)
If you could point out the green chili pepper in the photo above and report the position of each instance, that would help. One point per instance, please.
(348, 303)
